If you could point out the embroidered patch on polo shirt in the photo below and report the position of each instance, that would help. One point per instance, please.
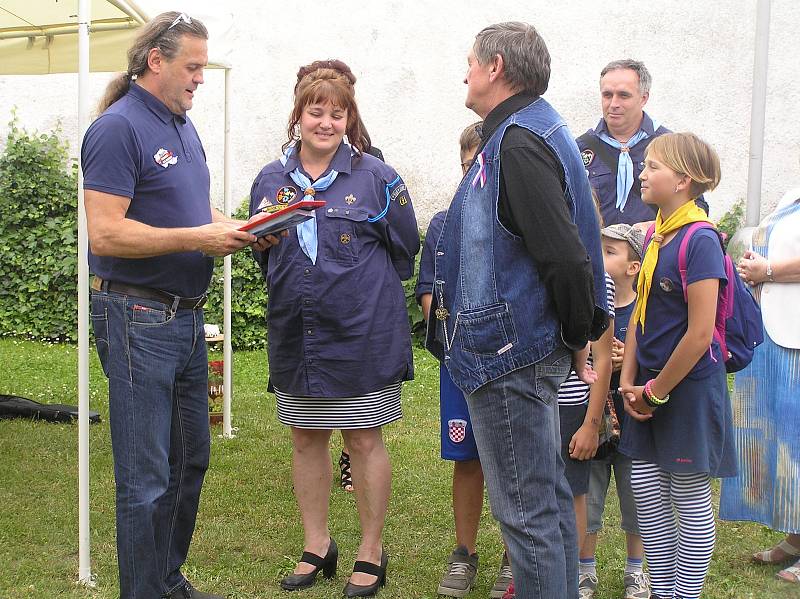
(165, 158)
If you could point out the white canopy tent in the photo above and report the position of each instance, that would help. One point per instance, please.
(48, 36)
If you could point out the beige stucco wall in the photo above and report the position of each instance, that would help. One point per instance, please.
(410, 58)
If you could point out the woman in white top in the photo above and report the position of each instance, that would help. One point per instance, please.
(766, 399)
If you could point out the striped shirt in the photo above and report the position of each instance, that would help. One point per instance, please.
(573, 391)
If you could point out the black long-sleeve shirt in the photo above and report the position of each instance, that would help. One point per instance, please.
(532, 205)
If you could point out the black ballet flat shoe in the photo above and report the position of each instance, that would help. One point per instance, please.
(368, 590)
(296, 582)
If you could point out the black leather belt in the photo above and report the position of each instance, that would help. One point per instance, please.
(148, 293)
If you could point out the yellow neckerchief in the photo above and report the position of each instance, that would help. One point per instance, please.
(686, 214)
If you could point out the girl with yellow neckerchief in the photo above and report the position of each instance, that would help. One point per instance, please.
(678, 430)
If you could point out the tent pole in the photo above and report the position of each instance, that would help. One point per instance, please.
(84, 562)
(227, 430)
(757, 114)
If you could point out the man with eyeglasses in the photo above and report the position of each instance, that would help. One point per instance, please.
(152, 235)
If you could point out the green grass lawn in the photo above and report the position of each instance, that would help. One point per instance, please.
(248, 533)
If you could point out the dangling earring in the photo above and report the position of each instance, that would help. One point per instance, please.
(676, 189)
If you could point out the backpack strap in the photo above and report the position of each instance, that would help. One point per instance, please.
(647, 237)
(682, 250)
(601, 149)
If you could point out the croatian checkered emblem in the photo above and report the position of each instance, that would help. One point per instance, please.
(457, 430)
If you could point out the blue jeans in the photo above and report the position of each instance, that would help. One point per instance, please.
(155, 359)
(515, 422)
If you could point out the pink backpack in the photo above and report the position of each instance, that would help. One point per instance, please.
(738, 328)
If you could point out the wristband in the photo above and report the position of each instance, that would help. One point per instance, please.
(650, 398)
(770, 278)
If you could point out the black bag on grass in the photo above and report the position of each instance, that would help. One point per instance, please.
(13, 406)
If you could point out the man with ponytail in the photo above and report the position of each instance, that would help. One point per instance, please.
(152, 235)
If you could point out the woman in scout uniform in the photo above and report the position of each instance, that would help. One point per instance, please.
(339, 342)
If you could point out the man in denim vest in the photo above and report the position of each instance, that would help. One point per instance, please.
(518, 286)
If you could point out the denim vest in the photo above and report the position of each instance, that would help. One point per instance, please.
(491, 312)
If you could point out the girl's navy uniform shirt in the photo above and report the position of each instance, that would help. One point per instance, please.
(667, 317)
(339, 327)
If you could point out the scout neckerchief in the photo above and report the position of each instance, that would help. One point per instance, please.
(686, 214)
(624, 164)
(307, 230)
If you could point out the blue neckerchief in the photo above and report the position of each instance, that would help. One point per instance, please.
(307, 230)
(624, 164)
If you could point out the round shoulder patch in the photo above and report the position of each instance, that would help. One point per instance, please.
(587, 156)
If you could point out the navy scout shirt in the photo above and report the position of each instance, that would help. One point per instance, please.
(603, 178)
(667, 317)
(339, 327)
(139, 150)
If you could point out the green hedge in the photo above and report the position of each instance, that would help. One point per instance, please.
(38, 236)
(38, 240)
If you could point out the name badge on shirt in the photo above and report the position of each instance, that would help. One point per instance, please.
(165, 158)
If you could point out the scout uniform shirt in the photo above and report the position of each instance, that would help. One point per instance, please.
(339, 328)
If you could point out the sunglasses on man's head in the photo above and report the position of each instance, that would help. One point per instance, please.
(181, 18)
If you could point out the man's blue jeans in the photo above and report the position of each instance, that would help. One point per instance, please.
(515, 422)
(155, 360)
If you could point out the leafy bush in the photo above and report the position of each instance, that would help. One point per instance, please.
(38, 236)
(248, 297)
(732, 220)
(38, 240)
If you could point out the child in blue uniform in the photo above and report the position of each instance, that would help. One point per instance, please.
(458, 443)
(622, 258)
(678, 429)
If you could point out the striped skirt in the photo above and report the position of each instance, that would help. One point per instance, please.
(766, 418)
(363, 411)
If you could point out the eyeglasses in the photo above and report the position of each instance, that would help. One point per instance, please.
(181, 18)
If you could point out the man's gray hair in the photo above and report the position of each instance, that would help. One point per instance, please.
(645, 81)
(526, 60)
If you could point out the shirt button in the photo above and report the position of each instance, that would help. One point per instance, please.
(347, 212)
(307, 302)
(308, 332)
(307, 271)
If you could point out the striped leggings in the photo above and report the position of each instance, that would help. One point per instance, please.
(676, 522)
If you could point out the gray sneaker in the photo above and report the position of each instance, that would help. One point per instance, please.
(587, 585)
(637, 586)
(503, 579)
(461, 571)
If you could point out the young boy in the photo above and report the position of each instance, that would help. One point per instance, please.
(458, 443)
(622, 258)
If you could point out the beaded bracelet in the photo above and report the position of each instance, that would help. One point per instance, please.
(650, 397)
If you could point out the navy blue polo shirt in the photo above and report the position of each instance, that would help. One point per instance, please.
(667, 316)
(139, 150)
(340, 327)
(428, 258)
